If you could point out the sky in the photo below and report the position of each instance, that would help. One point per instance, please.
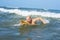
(45, 4)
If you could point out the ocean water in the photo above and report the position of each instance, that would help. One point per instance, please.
(10, 29)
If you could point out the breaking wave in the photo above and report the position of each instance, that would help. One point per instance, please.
(32, 12)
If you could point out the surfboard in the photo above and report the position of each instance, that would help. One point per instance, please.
(23, 22)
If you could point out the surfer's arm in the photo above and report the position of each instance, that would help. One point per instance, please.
(39, 18)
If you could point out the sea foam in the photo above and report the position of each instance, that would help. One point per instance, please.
(26, 13)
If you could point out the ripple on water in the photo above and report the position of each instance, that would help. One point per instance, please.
(7, 31)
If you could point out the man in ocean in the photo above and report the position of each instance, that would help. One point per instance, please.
(31, 21)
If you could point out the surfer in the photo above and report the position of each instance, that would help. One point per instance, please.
(29, 20)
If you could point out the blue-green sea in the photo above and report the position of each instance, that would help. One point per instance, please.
(10, 28)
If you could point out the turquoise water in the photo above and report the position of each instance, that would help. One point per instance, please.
(9, 30)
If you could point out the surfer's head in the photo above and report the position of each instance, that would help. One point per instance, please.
(29, 19)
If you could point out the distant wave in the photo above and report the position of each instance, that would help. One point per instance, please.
(32, 12)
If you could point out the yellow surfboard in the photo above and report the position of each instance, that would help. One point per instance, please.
(23, 22)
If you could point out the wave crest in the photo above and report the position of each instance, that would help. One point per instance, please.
(26, 13)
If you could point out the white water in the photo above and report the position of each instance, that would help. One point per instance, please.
(26, 13)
